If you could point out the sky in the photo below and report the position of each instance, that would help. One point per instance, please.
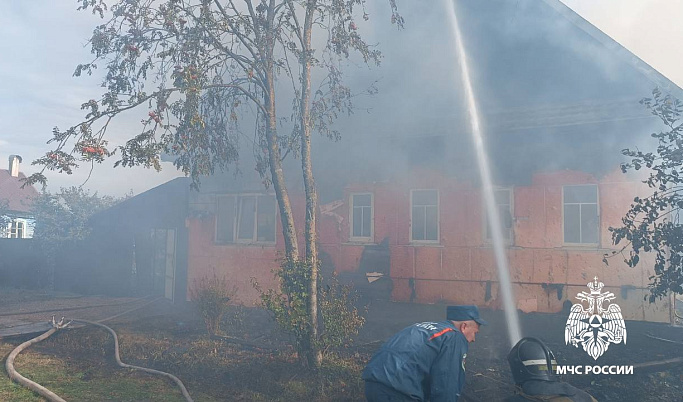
(42, 42)
(651, 29)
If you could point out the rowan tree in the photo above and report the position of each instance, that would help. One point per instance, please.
(198, 70)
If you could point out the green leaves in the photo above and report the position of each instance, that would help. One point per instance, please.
(212, 296)
(653, 224)
(63, 216)
(339, 318)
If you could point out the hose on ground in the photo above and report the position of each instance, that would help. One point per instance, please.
(175, 379)
(51, 396)
(33, 386)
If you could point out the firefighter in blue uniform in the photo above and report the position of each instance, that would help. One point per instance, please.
(425, 361)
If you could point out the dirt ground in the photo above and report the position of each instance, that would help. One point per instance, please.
(488, 377)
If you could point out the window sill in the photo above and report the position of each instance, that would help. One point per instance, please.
(579, 246)
(244, 244)
(360, 242)
(425, 244)
(489, 243)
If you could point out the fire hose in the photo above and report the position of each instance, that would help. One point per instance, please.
(51, 396)
(33, 386)
(147, 370)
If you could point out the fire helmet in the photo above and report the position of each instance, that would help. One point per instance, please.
(530, 359)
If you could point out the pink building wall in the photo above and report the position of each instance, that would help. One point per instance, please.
(461, 266)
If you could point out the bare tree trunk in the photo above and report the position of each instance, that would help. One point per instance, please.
(279, 185)
(315, 358)
(274, 155)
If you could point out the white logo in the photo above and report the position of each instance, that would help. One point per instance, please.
(595, 328)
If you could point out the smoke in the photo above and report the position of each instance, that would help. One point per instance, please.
(552, 96)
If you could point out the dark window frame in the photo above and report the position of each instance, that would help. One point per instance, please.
(234, 235)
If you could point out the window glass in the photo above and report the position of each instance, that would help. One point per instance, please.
(366, 222)
(425, 215)
(361, 215)
(503, 200)
(589, 223)
(245, 224)
(362, 200)
(581, 215)
(431, 223)
(266, 219)
(419, 220)
(225, 220)
(247, 218)
(572, 227)
(16, 229)
(357, 222)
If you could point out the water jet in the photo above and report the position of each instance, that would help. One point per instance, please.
(499, 250)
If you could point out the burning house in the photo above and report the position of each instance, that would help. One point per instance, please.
(401, 203)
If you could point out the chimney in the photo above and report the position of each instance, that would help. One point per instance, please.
(14, 161)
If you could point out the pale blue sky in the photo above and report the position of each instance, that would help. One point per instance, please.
(42, 41)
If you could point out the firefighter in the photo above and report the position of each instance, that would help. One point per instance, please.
(533, 368)
(425, 361)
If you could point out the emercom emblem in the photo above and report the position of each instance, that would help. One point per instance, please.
(595, 328)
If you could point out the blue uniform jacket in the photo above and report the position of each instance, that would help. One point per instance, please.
(425, 361)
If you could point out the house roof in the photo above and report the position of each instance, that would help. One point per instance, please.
(11, 190)
(553, 91)
(163, 206)
(655, 77)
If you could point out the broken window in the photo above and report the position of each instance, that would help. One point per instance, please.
(503, 202)
(361, 217)
(246, 219)
(424, 215)
(581, 217)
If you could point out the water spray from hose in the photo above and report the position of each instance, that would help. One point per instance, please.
(487, 187)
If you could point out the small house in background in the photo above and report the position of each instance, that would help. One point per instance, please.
(15, 202)
(20, 257)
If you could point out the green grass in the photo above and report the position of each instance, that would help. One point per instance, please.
(77, 364)
(73, 383)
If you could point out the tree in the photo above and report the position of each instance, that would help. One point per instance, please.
(652, 224)
(62, 217)
(316, 112)
(5, 218)
(212, 65)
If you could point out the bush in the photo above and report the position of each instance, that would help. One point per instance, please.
(212, 297)
(338, 317)
(288, 305)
